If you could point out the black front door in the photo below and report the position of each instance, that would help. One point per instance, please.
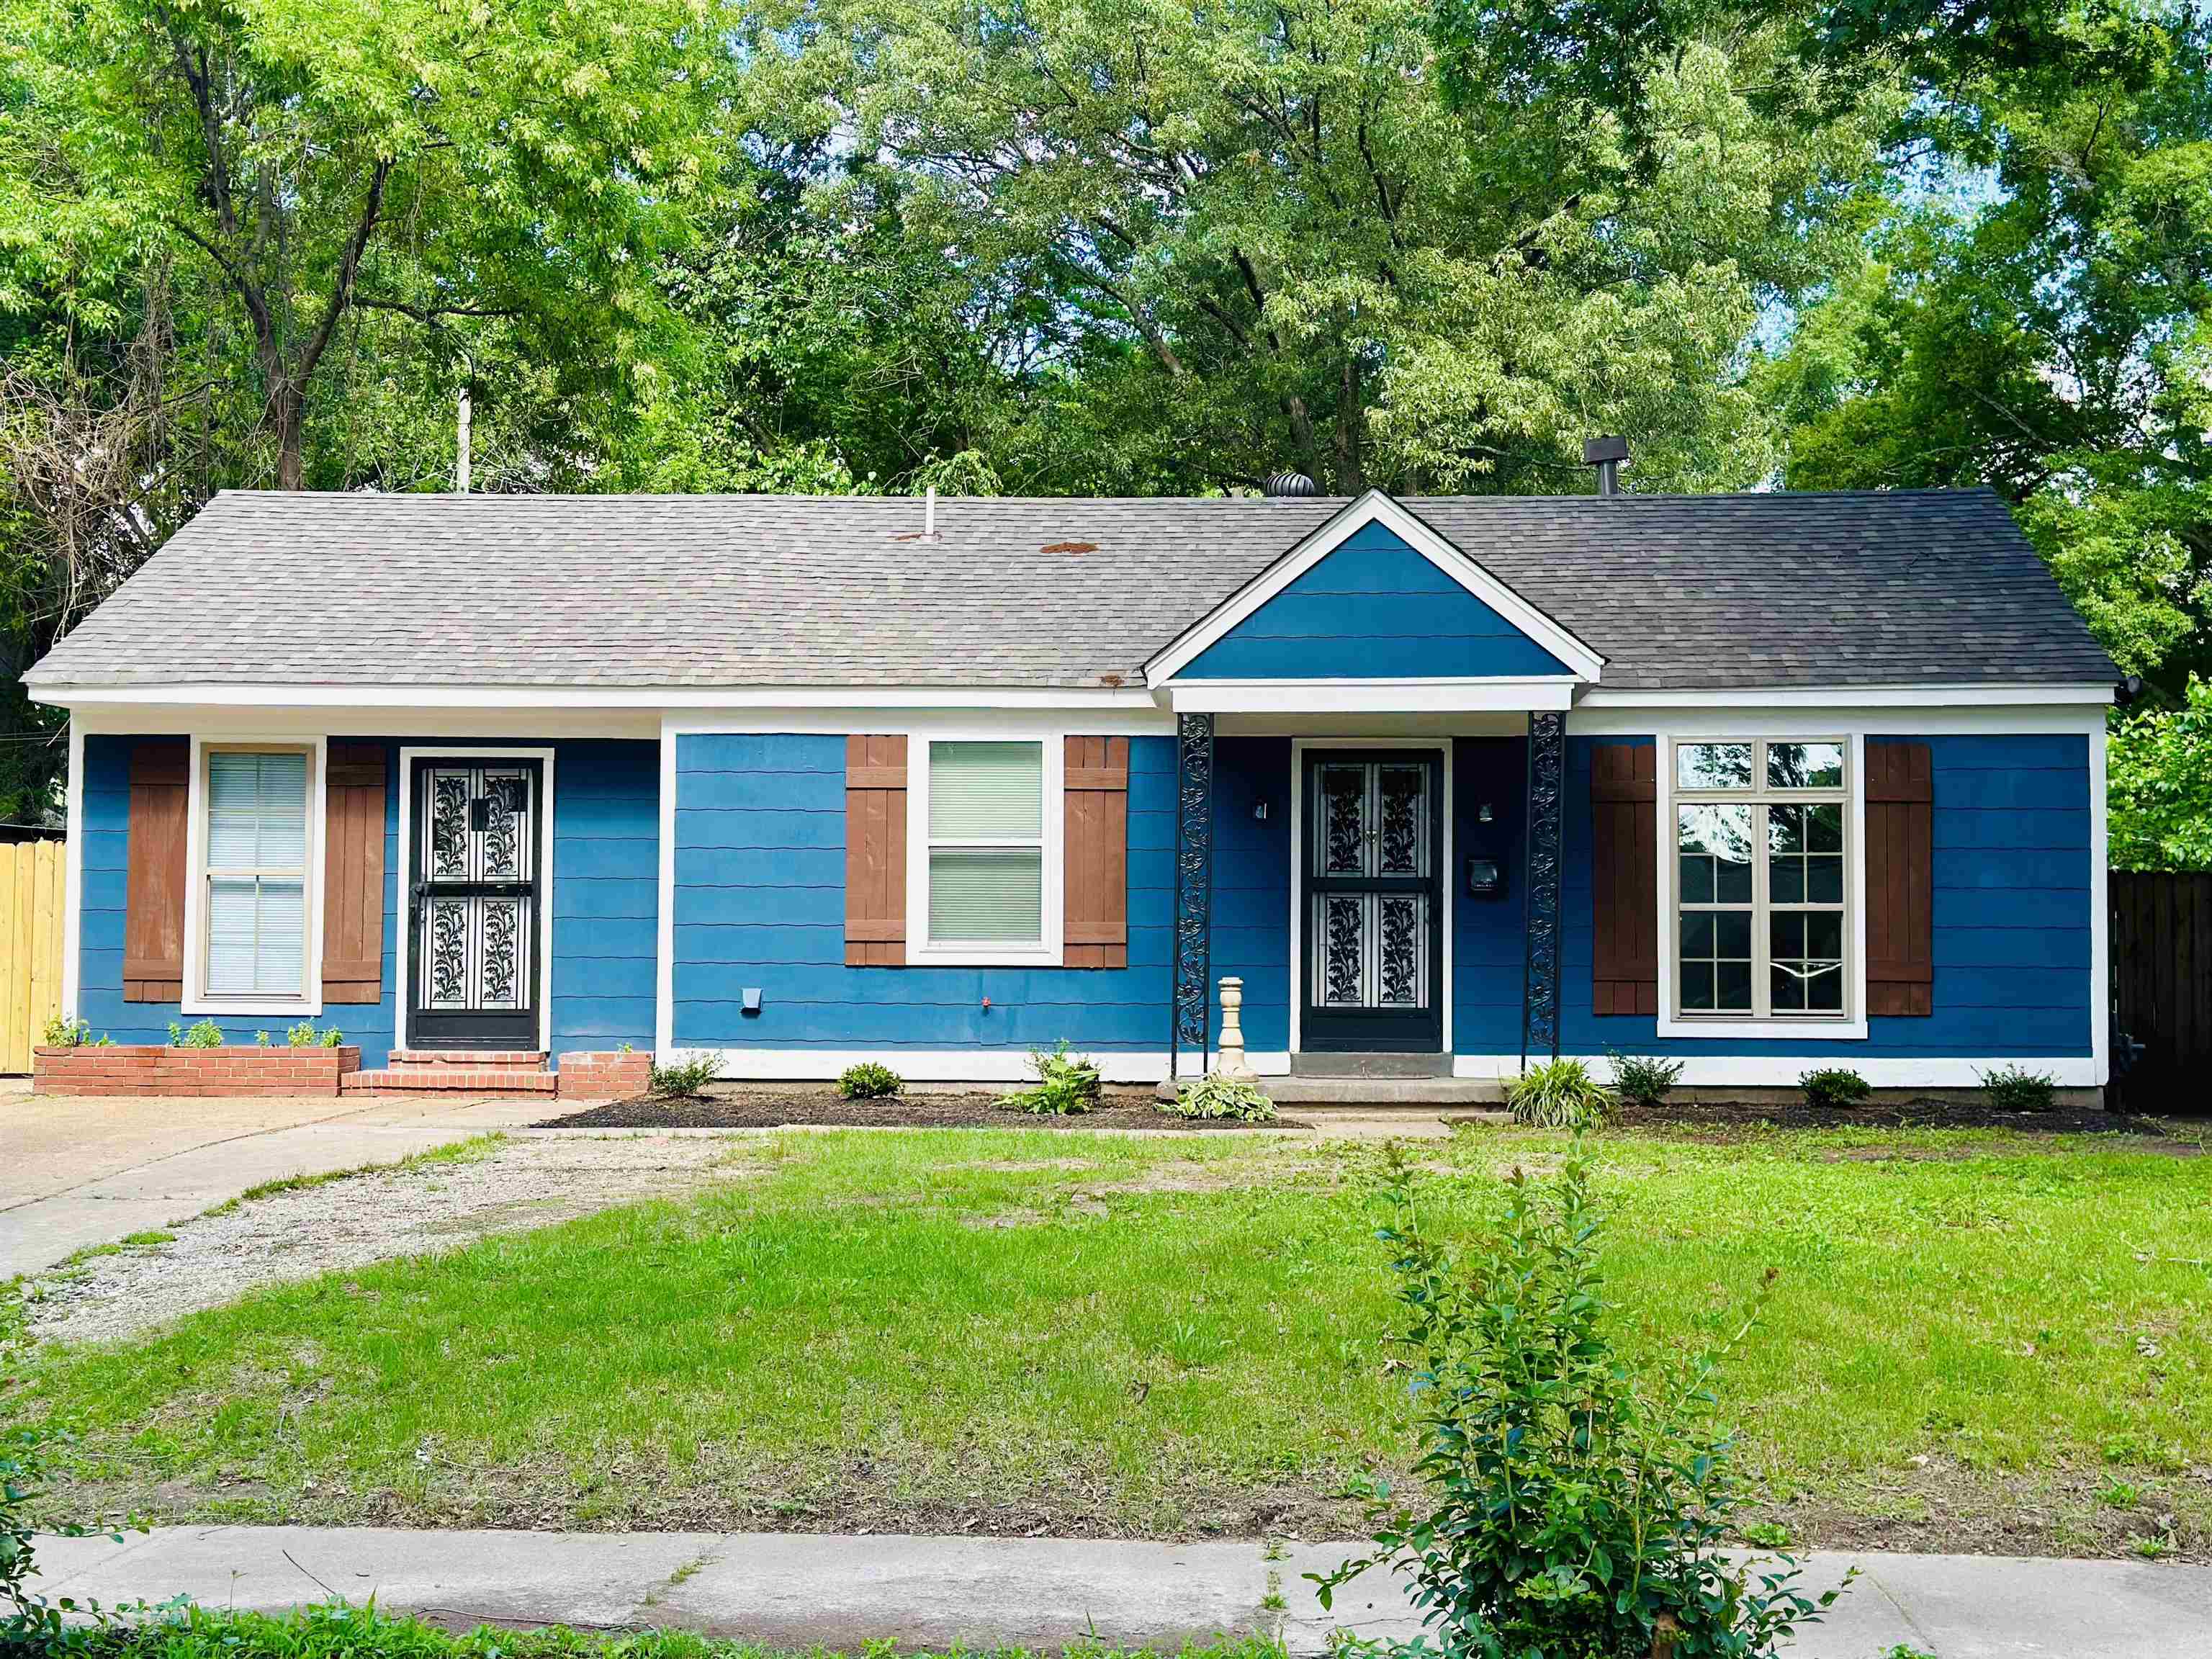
(475, 923)
(1372, 900)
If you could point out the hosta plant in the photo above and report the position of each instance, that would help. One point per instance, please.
(1216, 1096)
(1065, 1084)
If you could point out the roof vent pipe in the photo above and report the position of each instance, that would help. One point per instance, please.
(1606, 455)
(929, 514)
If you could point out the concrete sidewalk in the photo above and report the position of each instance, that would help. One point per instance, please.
(76, 1171)
(796, 1590)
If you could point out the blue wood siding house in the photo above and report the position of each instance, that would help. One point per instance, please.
(1760, 782)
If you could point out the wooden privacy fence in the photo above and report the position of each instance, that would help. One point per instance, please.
(31, 879)
(2162, 939)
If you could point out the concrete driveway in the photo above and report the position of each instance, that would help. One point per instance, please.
(77, 1171)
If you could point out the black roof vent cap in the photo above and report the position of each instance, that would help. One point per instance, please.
(1290, 484)
(1606, 455)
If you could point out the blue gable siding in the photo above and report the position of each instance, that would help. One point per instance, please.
(607, 863)
(1373, 609)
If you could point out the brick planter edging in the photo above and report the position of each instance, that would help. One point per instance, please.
(147, 1068)
(603, 1074)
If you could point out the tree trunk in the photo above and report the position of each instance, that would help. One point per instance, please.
(288, 414)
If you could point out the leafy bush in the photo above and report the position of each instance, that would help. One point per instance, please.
(2016, 1088)
(1574, 1507)
(1066, 1085)
(1217, 1096)
(1833, 1086)
(1641, 1079)
(1559, 1094)
(685, 1076)
(305, 1036)
(29, 1622)
(71, 1034)
(868, 1081)
(206, 1034)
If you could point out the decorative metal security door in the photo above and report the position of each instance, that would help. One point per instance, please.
(474, 914)
(1370, 874)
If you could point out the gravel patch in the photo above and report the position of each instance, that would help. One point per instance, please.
(420, 1208)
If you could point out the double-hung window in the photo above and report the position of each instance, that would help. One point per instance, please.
(986, 846)
(1760, 880)
(256, 855)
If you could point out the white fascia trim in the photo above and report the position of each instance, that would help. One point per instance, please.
(1374, 507)
(195, 999)
(402, 989)
(937, 1065)
(1861, 696)
(1755, 720)
(1781, 1070)
(73, 885)
(393, 696)
(1148, 721)
(1453, 696)
(1298, 747)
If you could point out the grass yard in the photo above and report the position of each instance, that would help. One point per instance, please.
(1978, 1342)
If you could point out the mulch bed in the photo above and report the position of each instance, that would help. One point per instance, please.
(773, 1109)
(1912, 1114)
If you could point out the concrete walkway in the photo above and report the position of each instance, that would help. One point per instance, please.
(81, 1171)
(799, 1590)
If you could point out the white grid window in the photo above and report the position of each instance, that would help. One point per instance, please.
(1760, 879)
(255, 854)
(986, 842)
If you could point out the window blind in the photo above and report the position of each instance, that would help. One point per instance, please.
(257, 855)
(986, 792)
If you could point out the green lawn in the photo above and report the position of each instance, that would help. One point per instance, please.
(1976, 1342)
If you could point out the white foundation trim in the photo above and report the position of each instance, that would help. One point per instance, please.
(1374, 507)
(1781, 1070)
(994, 1064)
(73, 883)
(402, 988)
(1448, 805)
(195, 999)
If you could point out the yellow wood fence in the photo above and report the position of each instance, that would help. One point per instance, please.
(31, 879)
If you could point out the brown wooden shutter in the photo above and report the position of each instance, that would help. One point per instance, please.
(1095, 853)
(875, 851)
(1625, 878)
(1900, 865)
(154, 895)
(353, 874)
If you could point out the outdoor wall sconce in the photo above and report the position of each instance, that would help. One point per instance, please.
(1486, 878)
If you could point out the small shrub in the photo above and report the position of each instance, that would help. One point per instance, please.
(1066, 1085)
(305, 1036)
(1834, 1086)
(2016, 1088)
(685, 1076)
(1641, 1079)
(29, 1622)
(1559, 1094)
(1217, 1096)
(261, 1039)
(206, 1034)
(868, 1080)
(71, 1034)
(1575, 1506)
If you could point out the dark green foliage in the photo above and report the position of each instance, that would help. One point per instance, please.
(1559, 1094)
(2016, 1088)
(867, 1080)
(1643, 1081)
(1215, 1096)
(685, 1077)
(1833, 1086)
(1572, 1506)
(1066, 1085)
(30, 1622)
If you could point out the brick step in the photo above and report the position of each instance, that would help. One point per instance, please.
(527, 1060)
(448, 1079)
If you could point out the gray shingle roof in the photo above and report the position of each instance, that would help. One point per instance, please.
(1675, 592)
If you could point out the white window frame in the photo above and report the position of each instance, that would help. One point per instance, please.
(1850, 1024)
(195, 1000)
(922, 950)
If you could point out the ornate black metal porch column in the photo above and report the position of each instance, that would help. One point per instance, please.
(1191, 1006)
(1539, 1002)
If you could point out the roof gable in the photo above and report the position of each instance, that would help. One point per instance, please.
(1375, 593)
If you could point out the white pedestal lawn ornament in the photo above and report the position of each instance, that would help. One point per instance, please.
(1232, 1061)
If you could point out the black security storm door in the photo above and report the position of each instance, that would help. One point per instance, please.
(475, 911)
(1370, 895)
